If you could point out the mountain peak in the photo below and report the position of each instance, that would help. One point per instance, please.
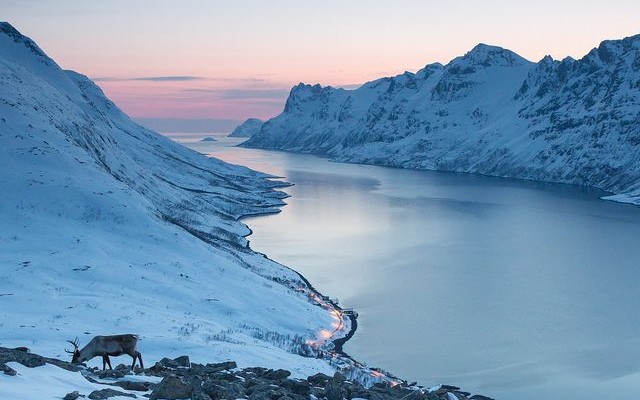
(6, 29)
(609, 51)
(488, 55)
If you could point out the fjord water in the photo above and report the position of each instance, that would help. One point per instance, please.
(513, 289)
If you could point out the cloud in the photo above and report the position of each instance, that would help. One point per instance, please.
(243, 94)
(173, 78)
(176, 78)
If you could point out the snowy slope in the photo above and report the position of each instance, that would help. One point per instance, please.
(248, 128)
(107, 227)
(489, 111)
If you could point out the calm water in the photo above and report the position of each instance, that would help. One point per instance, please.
(512, 289)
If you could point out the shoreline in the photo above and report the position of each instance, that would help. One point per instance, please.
(632, 199)
(335, 356)
(338, 343)
(331, 349)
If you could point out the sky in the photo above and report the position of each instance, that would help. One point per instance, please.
(229, 60)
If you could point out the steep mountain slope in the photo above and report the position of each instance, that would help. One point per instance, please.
(248, 128)
(107, 227)
(489, 111)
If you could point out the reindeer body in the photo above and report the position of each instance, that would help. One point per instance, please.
(105, 346)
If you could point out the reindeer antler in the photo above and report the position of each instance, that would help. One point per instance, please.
(75, 345)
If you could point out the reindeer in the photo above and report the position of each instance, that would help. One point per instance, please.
(105, 346)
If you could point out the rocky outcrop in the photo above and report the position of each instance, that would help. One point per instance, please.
(23, 356)
(182, 379)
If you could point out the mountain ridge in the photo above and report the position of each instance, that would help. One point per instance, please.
(489, 111)
(109, 227)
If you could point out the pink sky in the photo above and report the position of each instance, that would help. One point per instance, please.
(238, 59)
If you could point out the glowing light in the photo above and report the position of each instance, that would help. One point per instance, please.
(325, 334)
(377, 374)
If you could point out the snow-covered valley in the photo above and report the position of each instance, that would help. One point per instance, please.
(107, 227)
(489, 112)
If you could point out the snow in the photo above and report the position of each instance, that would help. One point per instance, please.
(490, 112)
(108, 227)
(47, 382)
(434, 388)
(248, 128)
(451, 396)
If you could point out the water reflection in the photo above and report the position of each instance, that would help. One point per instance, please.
(521, 290)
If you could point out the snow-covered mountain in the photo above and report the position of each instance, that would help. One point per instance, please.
(490, 112)
(107, 227)
(248, 128)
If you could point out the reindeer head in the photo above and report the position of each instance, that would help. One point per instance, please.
(75, 352)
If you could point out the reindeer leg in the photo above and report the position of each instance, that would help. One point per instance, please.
(136, 356)
(104, 361)
(140, 359)
(106, 356)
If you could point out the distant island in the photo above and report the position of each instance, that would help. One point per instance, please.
(208, 139)
(248, 128)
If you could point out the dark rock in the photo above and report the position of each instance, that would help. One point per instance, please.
(171, 388)
(218, 367)
(182, 361)
(318, 392)
(221, 388)
(7, 370)
(22, 356)
(131, 385)
(276, 375)
(301, 388)
(200, 395)
(214, 390)
(165, 363)
(72, 396)
(479, 397)
(318, 379)
(106, 393)
(266, 391)
(364, 394)
(228, 377)
(258, 371)
(338, 377)
(117, 373)
(27, 359)
(333, 390)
